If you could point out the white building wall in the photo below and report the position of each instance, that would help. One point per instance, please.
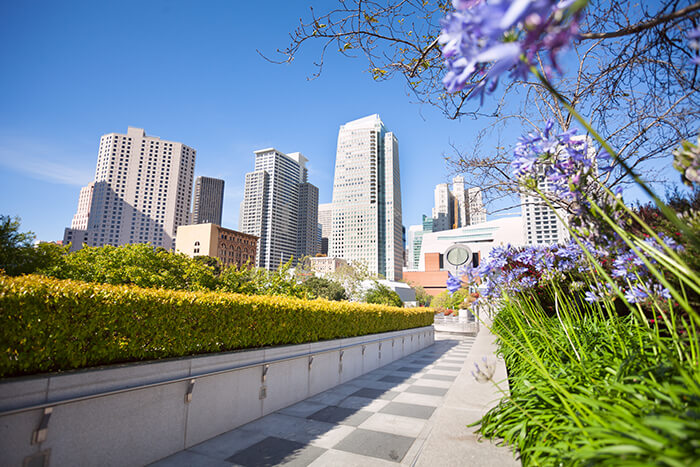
(142, 190)
(366, 224)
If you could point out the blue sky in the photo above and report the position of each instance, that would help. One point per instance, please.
(187, 71)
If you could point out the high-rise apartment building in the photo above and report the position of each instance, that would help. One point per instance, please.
(541, 224)
(208, 200)
(82, 215)
(458, 207)
(443, 212)
(325, 218)
(272, 207)
(141, 192)
(367, 198)
(308, 243)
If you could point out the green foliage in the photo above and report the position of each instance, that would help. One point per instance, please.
(210, 261)
(137, 264)
(592, 388)
(259, 281)
(449, 301)
(383, 295)
(324, 288)
(48, 324)
(422, 297)
(351, 276)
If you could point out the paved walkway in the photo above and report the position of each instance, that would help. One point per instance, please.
(413, 411)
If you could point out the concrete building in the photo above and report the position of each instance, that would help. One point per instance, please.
(443, 212)
(324, 265)
(229, 246)
(208, 202)
(325, 218)
(271, 207)
(367, 198)
(476, 212)
(141, 193)
(82, 215)
(308, 243)
(414, 237)
(450, 249)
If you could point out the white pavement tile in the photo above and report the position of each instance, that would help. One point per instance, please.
(394, 424)
(444, 372)
(419, 399)
(187, 459)
(433, 383)
(347, 459)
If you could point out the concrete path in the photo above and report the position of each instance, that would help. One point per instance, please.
(413, 411)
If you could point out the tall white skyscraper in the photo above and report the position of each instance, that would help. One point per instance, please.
(541, 224)
(476, 212)
(141, 193)
(367, 198)
(275, 210)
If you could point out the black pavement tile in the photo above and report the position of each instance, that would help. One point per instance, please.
(428, 390)
(376, 444)
(408, 410)
(397, 379)
(371, 393)
(341, 415)
(439, 377)
(276, 451)
(411, 369)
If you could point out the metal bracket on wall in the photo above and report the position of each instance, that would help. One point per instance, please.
(380, 351)
(264, 373)
(340, 362)
(392, 342)
(311, 361)
(364, 347)
(190, 388)
(39, 436)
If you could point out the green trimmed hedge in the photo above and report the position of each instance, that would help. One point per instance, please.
(50, 325)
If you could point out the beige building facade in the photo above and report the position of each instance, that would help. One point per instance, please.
(229, 246)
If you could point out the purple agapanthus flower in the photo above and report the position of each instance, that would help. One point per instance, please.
(481, 40)
(453, 283)
(694, 44)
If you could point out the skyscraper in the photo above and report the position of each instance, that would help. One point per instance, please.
(325, 218)
(208, 200)
(476, 213)
(367, 198)
(273, 204)
(443, 212)
(458, 207)
(141, 192)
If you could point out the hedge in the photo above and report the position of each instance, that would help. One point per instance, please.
(52, 325)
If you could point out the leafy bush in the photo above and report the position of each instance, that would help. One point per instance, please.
(383, 295)
(48, 324)
(324, 288)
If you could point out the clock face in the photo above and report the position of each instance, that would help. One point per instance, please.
(457, 256)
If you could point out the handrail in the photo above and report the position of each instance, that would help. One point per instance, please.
(191, 377)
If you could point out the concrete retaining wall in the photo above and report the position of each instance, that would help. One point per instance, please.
(138, 413)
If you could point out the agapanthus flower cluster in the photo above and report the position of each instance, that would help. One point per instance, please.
(565, 160)
(512, 270)
(481, 40)
(694, 44)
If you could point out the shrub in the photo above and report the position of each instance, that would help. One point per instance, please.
(48, 324)
(383, 295)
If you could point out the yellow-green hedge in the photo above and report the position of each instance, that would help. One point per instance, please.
(48, 324)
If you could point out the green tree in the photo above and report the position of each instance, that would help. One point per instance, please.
(210, 261)
(447, 300)
(383, 295)
(18, 255)
(350, 276)
(138, 264)
(324, 288)
(422, 297)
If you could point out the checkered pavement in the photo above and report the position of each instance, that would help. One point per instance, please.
(378, 419)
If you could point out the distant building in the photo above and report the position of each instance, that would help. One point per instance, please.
(414, 239)
(325, 218)
(141, 193)
(448, 250)
(229, 246)
(367, 198)
(208, 200)
(308, 243)
(280, 207)
(457, 207)
(325, 265)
